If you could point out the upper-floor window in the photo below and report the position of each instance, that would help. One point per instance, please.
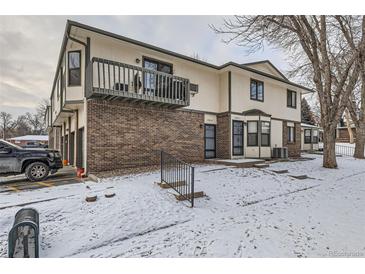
(257, 90)
(307, 136)
(252, 133)
(291, 134)
(157, 65)
(74, 68)
(291, 99)
(265, 134)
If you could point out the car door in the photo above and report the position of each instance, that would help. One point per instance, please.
(8, 159)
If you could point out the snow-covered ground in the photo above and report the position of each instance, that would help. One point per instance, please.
(246, 213)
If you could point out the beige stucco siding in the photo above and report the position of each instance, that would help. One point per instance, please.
(208, 97)
(275, 96)
(265, 67)
(210, 119)
(223, 98)
(276, 133)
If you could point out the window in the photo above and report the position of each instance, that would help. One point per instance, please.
(291, 99)
(291, 134)
(315, 137)
(257, 90)
(74, 68)
(307, 136)
(210, 141)
(265, 134)
(237, 136)
(252, 135)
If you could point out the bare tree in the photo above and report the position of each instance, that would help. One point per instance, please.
(353, 29)
(313, 43)
(35, 122)
(6, 120)
(21, 126)
(41, 113)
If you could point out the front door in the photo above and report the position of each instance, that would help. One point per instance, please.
(72, 148)
(65, 148)
(80, 148)
(209, 141)
(237, 138)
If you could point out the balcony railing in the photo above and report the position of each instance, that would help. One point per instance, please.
(114, 80)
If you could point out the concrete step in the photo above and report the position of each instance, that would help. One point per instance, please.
(173, 184)
(198, 194)
(261, 165)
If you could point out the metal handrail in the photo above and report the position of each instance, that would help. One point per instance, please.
(178, 175)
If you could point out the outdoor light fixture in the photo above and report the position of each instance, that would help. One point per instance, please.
(138, 60)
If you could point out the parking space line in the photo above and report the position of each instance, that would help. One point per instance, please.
(48, 184)
(13, 188)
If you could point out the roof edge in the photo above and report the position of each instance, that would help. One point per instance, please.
(71, 23)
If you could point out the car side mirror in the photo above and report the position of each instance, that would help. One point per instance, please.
(5, 150)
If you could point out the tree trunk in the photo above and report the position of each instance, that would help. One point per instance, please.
(348, 125)
(329, 147)
(360, 142)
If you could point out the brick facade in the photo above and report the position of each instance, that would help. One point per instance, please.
(127, 135)
(293, 148)
(223, 136)
(344, 136)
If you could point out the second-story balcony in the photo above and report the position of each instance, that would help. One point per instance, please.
(115, 80)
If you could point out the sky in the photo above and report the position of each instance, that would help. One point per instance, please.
(29, 48)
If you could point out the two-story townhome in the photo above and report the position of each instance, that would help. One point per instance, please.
(116, 101)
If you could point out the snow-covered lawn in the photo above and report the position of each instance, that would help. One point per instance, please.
(247, 213)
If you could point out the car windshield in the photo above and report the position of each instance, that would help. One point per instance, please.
(10, 144)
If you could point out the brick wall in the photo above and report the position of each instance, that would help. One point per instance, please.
(127, 135)
(293, 148)
(223, 136)
(344, 136)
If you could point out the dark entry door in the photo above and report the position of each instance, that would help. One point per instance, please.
(209, 141)
(80, 148)
(72, 148)
(62, 152)
(65, 157)
(237, 138)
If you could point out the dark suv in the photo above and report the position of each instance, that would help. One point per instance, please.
(35, 163)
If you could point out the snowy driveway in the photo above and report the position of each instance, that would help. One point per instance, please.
(247, 213)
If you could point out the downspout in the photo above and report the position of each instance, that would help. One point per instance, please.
(259, 135)
(87, 91)
(77, 137)
(69, 140)
(229, 114)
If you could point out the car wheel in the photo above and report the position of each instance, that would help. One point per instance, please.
(37, 171)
